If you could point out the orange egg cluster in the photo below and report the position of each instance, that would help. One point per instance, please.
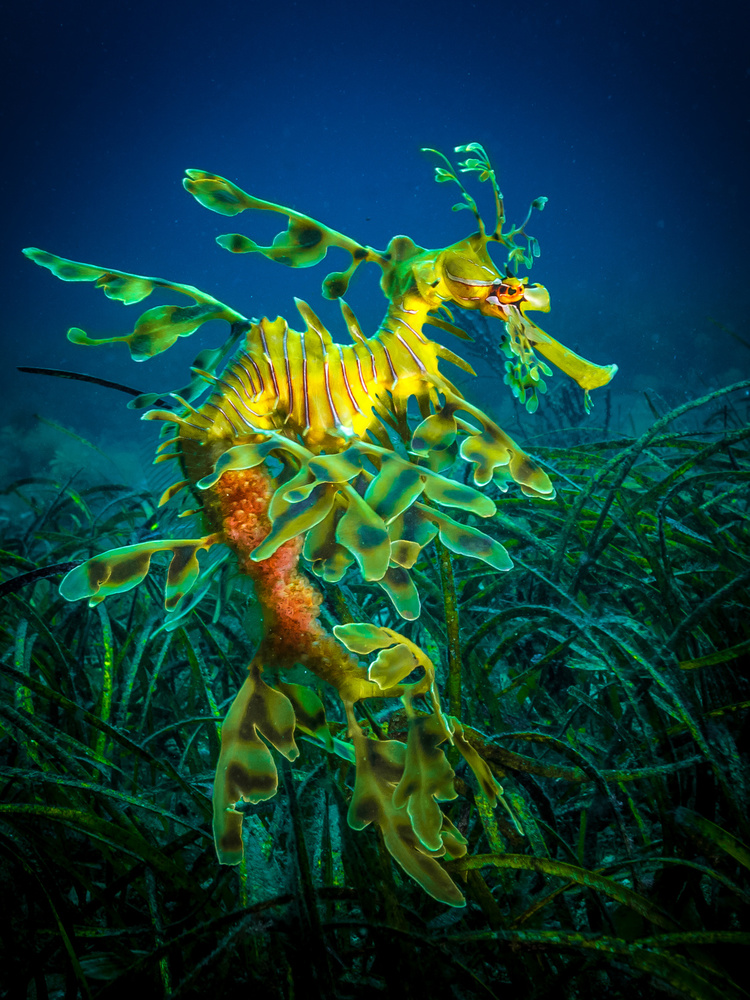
(290, 603)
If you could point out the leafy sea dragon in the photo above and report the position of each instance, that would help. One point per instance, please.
(353, 482)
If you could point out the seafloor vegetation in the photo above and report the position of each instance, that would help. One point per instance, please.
(604, 679)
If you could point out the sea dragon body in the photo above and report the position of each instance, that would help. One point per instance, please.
(359, 484)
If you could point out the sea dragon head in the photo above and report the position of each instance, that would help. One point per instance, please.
(464, 275)
(425, 281)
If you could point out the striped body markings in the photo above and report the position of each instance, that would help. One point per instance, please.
(307, 387)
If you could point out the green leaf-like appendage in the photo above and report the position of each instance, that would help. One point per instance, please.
(402, 591)
(242, 456)
(449, 493)
(158, 328)
(436, 432)
(119, 570)
(391, 666)
(380, 766)
(395, 488)
(337, 468)
(296, 519)
(246, 769)
(215, 193)
(487, 781)
(464, 540)
(304, 243)
(363, 637)
(365, 535)
(427, 776)
(309, 713)
(329, 559)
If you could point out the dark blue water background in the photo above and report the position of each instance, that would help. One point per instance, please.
(631, 118)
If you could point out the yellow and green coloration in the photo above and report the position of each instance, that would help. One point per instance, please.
(359, 488)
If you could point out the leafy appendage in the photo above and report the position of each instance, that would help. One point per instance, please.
(380, 769)
(119, 570)
(157, 329)
(246, 770)
(349, 513)
(304, 243)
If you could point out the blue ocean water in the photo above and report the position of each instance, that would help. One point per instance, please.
(632, 119)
